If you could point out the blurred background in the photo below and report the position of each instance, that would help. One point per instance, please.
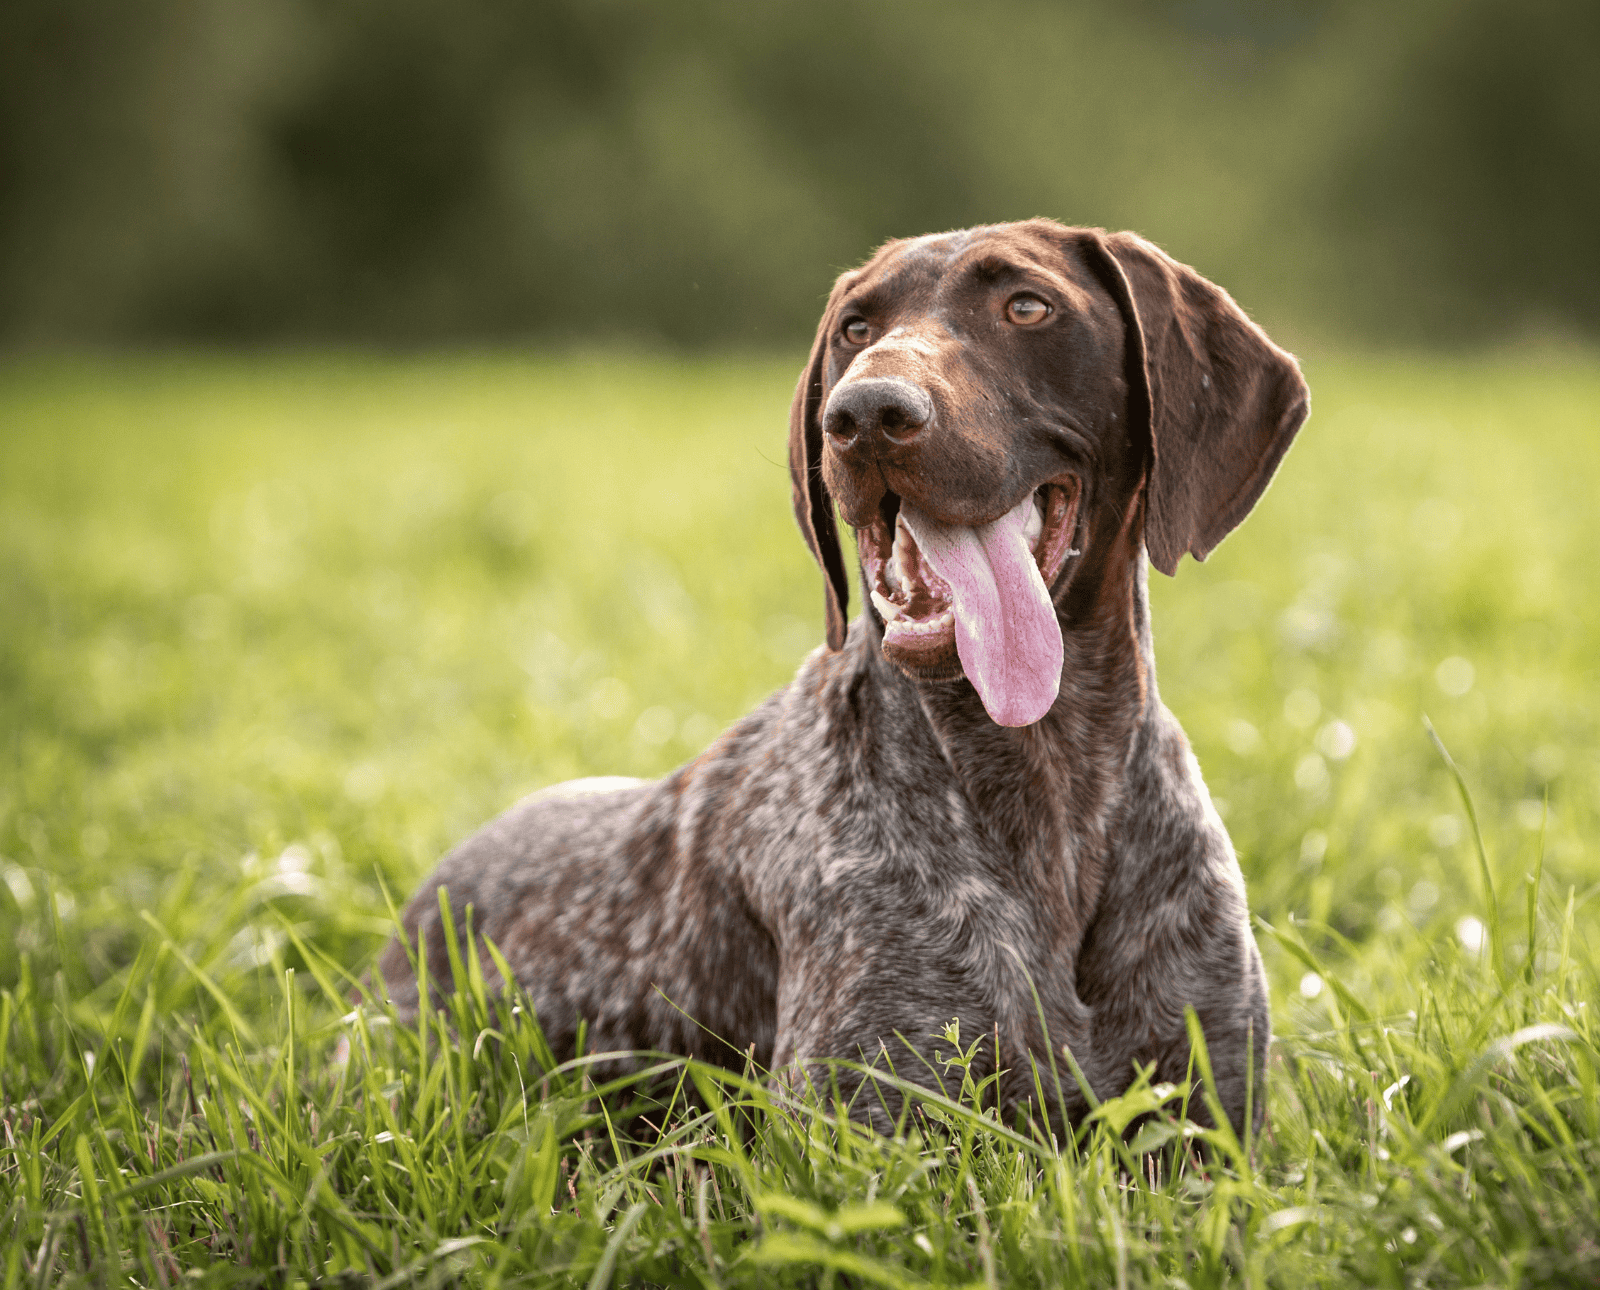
(405, 172)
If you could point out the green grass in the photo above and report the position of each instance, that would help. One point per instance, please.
(277, 632)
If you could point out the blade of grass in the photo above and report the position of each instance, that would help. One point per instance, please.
(1491, 902)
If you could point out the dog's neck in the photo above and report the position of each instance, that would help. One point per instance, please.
(1049, 792)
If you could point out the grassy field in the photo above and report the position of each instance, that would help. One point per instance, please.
(276, 632)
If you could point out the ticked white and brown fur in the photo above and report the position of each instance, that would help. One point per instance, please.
(868, 854)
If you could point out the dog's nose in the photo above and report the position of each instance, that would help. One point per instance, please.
(860, 411)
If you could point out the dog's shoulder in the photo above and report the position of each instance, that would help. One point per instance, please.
(1174, 873)
(1175, 894)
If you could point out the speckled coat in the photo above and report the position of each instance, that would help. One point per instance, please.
(867, 855)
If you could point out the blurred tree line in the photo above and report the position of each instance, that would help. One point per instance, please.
(696, 171)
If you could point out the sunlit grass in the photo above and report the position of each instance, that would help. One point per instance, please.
(277, 633)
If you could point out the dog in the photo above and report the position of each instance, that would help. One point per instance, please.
(970, 803)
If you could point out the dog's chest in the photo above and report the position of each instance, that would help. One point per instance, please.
(893, 853)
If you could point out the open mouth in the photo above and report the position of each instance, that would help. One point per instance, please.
(916, 603)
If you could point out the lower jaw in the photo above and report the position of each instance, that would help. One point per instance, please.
(924, 656)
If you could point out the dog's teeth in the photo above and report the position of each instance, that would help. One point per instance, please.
(909, 627)
(886, 607)
(1035, 525)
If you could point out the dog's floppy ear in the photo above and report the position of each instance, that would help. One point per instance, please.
(813, 505)
(1222, 402)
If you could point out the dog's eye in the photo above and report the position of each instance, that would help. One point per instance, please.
(857, 332)
(1027, 310)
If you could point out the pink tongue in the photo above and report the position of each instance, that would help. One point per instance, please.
(1006, 629)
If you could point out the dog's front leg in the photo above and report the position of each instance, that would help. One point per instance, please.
(884, 1022)
(1173, 934)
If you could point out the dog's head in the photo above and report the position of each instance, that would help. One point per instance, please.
(983, 406)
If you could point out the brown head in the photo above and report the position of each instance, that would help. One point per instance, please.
(1064, 388)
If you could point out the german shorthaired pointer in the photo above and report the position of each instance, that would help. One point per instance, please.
(974, 790)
